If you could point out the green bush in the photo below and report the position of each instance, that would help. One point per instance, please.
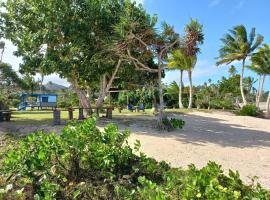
(85, 163)
(177, 123)
(249, 110)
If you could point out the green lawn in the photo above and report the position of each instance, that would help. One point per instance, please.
(37, 117)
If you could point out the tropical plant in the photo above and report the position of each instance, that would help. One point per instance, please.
(232, 70)
(238, 46)
(249, 110)
(193, 38)
(261, 65)
(179, 61)
(86, 163)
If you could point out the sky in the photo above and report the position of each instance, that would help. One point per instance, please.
(217, 17)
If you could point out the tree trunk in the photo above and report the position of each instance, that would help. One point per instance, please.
(180, 89)
(84, 101)
(241, 83)
(268, 103)
(41, 83)
(257, 93)
(261, 91)
(161, 101)
(105, 87)
(2, 53)
(190, 89)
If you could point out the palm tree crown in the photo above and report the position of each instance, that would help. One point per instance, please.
(261, 61)
(180, 61)
(237, 45)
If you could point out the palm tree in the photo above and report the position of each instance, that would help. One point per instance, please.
(237, 45)
(261, 65)
(193, 37)
(179, 61)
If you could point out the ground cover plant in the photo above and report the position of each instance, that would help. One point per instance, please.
(86, 163)
(249, 110)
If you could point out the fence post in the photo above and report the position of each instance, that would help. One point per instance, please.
(109, 113)
(70, 114)
(81, 117)
(56, 117)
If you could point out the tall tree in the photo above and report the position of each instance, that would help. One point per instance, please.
(142, 45)
(193, 38)
(179, 61)
(63, 37)
(238, 45)
(261, 65)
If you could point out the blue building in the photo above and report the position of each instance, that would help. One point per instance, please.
(38, 101)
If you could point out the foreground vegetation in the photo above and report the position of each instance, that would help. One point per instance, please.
(85, 163)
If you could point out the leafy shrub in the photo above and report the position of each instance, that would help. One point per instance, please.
(249, 110)
(173, 123)
(85, 163)
(177, 123)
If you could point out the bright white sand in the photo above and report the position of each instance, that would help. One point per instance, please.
(235, 142)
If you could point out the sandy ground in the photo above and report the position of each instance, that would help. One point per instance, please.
(235, 142)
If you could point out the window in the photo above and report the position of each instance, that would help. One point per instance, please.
(45, 99)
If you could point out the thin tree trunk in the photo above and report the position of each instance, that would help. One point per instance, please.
(257, 93)
(190, 89)
(261, 91)
(154, 100)
(84, 101)
(180, 89)
(105, 88)
(2, 53)
(268, 103)
(41, 82)
(241, 83)
(161, 101)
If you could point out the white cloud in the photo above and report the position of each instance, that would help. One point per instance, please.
(240, 4)
(55, 79)
(214, 3)
(203, 70)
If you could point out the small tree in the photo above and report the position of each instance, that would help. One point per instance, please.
(179, 61)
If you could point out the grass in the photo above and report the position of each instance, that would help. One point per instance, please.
(45, 117)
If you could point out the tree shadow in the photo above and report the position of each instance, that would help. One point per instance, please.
(204, 130)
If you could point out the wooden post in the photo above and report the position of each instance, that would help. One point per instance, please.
(81, 117)
(56, 117)
(97, 112)
(1, 116)
(70, 114)
(109, 113)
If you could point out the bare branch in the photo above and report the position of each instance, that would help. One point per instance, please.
(139, 63)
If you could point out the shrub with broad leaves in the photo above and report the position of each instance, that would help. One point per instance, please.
(86, 163)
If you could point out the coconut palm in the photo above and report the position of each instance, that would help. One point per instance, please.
(238, 46)
(261, 65)
(179, 61)
(193, 37)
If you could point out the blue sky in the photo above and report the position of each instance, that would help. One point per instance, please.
(217, 16)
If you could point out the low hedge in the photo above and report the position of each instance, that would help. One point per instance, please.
(86, 163)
